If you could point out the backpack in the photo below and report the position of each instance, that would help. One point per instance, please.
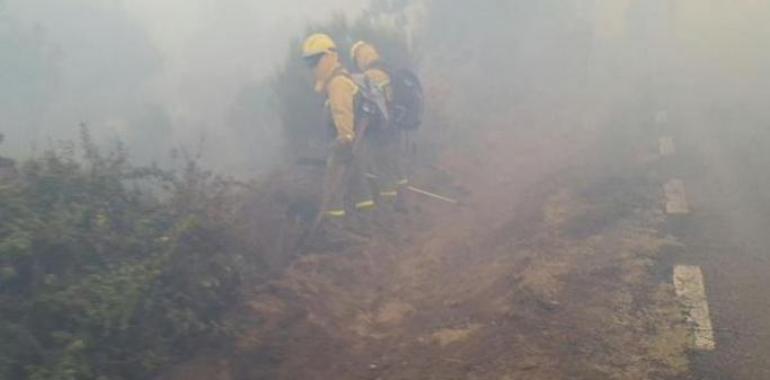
(372, 102)
(369, 103)
(408, 104)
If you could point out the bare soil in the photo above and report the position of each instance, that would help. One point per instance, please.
(550, 271)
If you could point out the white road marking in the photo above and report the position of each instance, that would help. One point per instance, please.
(666, 146)
(690, 288)
(676, 197)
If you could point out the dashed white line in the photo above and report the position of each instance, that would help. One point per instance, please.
(690, 288)
(666, 146)
(676, 197)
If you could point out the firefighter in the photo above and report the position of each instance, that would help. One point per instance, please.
(344, 188)
(383, 138)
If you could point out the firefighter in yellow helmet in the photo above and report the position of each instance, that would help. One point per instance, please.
(384, 138)
(344, 183)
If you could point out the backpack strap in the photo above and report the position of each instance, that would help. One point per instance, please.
(341, 72)
(358, 96)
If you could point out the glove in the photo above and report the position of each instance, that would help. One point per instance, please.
(343, 148)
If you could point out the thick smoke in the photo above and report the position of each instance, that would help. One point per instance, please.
(156, 75)
(160, 74)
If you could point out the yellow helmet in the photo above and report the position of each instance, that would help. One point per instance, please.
(354, 49)
(363, 54)
(318, 44)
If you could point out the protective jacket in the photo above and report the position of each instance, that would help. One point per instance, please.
(341, 94)
(344, 178)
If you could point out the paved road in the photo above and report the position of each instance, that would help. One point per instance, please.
(723, 159)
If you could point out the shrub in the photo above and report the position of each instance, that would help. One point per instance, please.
(111, 271)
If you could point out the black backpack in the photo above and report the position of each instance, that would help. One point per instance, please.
(408, 103)
(371, 102)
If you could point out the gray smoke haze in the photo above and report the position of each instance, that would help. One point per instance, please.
(155, 74)
(159, 74)
(506, 81)
(511, 52)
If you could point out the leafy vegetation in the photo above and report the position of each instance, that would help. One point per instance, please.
(111, 271)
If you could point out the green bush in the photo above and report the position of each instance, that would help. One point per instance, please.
(111, 271)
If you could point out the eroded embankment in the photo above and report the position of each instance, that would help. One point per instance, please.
(549, 271)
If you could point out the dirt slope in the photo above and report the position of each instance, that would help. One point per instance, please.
(549, 272)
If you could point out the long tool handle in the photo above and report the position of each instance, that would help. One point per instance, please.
(432, 195)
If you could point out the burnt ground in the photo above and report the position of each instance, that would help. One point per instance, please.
(551, 270)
